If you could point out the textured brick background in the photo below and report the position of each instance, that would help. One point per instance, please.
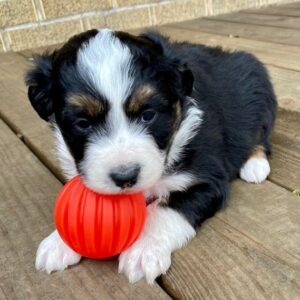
(28, 24)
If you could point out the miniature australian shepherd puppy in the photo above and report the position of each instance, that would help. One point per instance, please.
(177, 121)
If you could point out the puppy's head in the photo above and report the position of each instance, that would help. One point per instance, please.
(115, 101)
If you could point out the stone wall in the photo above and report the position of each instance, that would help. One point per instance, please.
(28, 24)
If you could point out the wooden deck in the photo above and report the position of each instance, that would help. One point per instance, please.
(251, 250)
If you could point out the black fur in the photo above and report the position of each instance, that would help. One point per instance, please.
(231, 88)
(234, 91)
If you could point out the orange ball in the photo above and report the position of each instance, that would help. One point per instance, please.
(96, 225)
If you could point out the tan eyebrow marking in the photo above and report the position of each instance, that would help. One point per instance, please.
(139, 98)
(86, 103)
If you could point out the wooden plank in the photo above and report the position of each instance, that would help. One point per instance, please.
(287, 87)
(276, 11)
(259, 19)
(40, 50)
(251, 250)
(286, 36)
(265, 51)
(28, 190)
(285, 161)
(16, 109)
(293, 5)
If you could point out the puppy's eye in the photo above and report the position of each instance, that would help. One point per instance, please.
(148, 115)
(82, 124)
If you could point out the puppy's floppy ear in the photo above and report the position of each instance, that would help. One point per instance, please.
(165, 47)
(158, 42)
(39, 82)
(187, 79)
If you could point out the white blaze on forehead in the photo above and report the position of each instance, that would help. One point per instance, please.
(105, 63)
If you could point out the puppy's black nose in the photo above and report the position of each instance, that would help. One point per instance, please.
(125, 176)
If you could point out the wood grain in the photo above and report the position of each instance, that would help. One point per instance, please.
(17, 111)
(251, 250)
(293, 5)
(28, 191)
(260, 19)
(286, 84)
(285, 161)
(277, 11)
(29, 53)
(287, 36)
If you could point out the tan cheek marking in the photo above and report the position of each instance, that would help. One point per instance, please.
(258, 151)
(139, 98)
(88, 104)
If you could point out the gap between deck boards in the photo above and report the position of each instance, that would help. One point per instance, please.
(32, 148)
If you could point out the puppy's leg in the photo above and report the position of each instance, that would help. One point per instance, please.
(256, 169)
(169, 228)
(165, 230)
(54, 255)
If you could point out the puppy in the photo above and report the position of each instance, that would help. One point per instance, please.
(177, 121)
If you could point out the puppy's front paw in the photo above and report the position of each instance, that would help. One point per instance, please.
(145, 258)
(54, 255)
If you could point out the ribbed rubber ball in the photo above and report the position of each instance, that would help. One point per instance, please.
(96, 225)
